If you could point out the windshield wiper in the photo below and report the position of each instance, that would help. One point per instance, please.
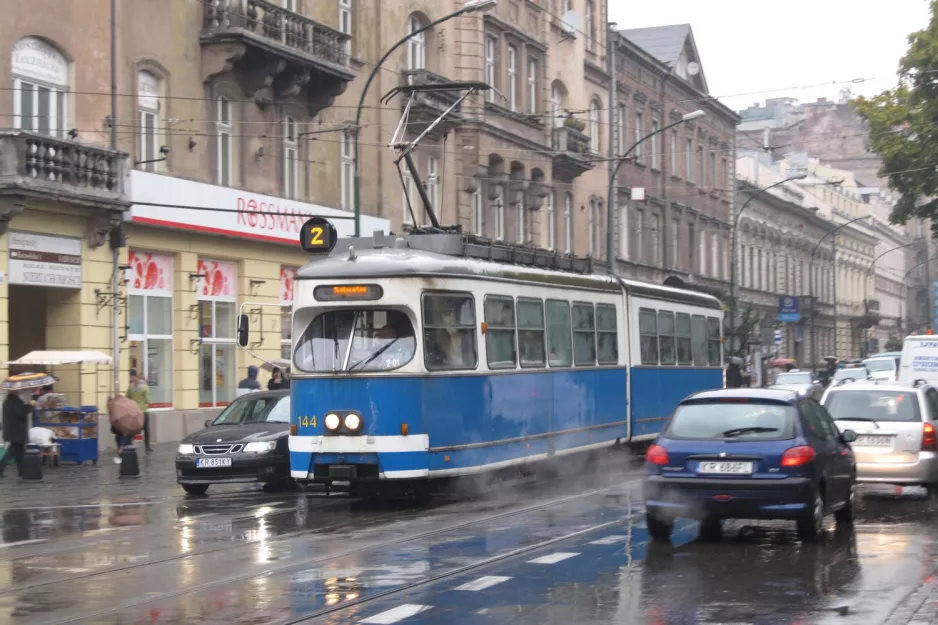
(365, 361)
(749, 430)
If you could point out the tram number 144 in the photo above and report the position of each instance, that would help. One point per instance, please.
(305, 422)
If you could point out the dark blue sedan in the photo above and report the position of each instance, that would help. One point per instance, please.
(749, 454)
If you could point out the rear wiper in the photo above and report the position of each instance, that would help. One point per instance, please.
(750, 430)
(873, 421)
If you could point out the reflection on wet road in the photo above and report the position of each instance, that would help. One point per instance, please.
(562, 553)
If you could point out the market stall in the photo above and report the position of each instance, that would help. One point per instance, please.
(75, 426)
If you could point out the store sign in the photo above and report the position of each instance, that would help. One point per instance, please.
(788, 309)
(152, 273)
(217, 280)
(174, 203)
(287, 276)
(43, 260)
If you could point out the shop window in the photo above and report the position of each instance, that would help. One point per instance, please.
(500, 334)
(584, 335)
(684, 349)
(699, 336)
(150, 323)
(449, 331)
(558, 334)
(40, 87)
(666, 343)
(607, 340)
(287, 278)
(531, 332)
(218, 311)
(648, 335)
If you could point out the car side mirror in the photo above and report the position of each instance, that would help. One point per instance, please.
(243, 330)
(209, 422)
(849, 436)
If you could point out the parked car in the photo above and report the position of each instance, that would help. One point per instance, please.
(749, 454)
(802, 382)
(247, 442)
(849, 375)
(882, 367)
(895, 425)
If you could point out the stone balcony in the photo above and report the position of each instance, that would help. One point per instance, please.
(429, 105)
(868, 314)
(572, 155)
(274, 54)
(37, 167)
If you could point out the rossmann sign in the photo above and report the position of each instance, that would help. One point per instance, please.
(169, 202)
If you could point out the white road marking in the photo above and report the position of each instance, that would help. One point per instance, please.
(396, 614)
(483, 582)
(23, 542)
(609, 540)
(553, 558)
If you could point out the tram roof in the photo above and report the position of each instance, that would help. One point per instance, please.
(403, 260)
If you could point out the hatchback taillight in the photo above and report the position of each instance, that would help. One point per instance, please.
(657, 454)
(798, 456)
(929, 438)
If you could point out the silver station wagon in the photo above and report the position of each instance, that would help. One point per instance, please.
(895, 425)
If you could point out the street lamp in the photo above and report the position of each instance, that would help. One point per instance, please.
(811, 283)
(610, 201)
(734, 267)
(470, 6)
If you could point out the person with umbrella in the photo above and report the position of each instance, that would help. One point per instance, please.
(17, 408)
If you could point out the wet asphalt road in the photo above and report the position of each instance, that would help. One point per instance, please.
(86, 547)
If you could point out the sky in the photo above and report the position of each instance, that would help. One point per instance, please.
(751, 50)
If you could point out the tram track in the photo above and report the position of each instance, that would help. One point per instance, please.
(365, 548)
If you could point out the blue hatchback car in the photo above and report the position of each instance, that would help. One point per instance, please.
(749, 454)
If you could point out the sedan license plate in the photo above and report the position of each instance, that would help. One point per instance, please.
(876, 441)
(205, 463)
(725, 468)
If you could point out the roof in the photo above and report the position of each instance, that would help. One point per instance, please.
(665, 43)
(747, 393)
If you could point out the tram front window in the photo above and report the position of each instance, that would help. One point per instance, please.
(356, 340)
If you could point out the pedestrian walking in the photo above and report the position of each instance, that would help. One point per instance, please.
(249, 384)
(734, 377)
(276, 381)
(139, 391)
(16, 411)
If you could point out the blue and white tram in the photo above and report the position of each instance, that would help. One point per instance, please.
(409, 365)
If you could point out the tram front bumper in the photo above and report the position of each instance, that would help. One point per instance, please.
(330, 459)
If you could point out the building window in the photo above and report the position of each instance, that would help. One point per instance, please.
(291, 148)
(689, 161)
(592, 222)
(655, 156)
(148, 105)
(433, 187)
(595, 134)
(532, 86)
(416, 45)
(597, 228)
(713, 169)
(512, 78)
(217, 297)
(347, 173)
(551, 234)
(556, 105)
(345, 22)
(290, 5)
(639, 133)
(40, 87)
(674, 153)
(724, 179)
(477, 224)
(622, 130)
(223, 128)
(590, 26)
(150, 321)
(519, 210)
(701, 173)
(500, 217)
(490, 44)
(287, 280)
(568, 223)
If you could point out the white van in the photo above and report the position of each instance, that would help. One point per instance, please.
(919, 359)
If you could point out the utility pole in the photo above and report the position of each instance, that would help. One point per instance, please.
(115, 241)
(611, 36)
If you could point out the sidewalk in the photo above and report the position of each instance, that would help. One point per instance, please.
(918, 608)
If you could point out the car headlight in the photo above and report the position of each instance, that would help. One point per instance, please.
(186, 449)
(259, 448)
(332, 421)
(352, 421)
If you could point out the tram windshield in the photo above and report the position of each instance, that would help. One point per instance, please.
(356, 340)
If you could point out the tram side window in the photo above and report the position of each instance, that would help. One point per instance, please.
(684, 351)
(607, 342)
(500, 334)
(666, 337)
(584, 335)
(558, 334)
(449, 331)
(648, 335)
(699, 331)
(531, 332)
(714, 344)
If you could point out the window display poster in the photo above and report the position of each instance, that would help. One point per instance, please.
(217, 280)
(287, 278)
(150, 272)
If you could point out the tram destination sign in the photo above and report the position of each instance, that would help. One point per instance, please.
(45, 260)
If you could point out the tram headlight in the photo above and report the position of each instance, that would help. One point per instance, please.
(332, 422)
(352, 422)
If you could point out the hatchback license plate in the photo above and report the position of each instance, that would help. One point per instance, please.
(728, 468)
(878, 441)
(205, 463)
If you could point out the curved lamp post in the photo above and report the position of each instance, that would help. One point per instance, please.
(470, 6)
(612, 178)
(811, 283)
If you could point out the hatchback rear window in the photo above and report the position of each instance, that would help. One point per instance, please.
(732, 420)
(876, 405)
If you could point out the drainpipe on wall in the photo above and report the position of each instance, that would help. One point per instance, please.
(115, 241)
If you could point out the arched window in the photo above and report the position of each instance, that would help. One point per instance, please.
(568, 223)
(40, 87)
(148, 116)
(594, 126)
(556, 105)
(416, 45)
